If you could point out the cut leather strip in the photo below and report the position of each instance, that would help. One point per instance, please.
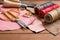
(53, 28)
(36, 26)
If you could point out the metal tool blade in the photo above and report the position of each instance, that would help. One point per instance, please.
(21, 23)
(27, 4)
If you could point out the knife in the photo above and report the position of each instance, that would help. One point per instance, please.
(8, 3)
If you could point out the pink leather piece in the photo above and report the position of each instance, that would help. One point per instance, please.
(26, 20)
(4, 25)
(36, 26)
(8, 25)
(2, 16)
(33, 23)
(3, 9)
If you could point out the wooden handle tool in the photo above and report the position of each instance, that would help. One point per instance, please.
(8, 15)
(2, 18)
(8, 3)
(12, 13)
(21, 23)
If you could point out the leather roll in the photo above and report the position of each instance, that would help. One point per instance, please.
(51, 16)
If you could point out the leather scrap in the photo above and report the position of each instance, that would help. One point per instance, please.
(53, 28)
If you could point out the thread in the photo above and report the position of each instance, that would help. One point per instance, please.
(43, 12)
(8, 3)
(51, 16)
(58, 10)
(42, 6)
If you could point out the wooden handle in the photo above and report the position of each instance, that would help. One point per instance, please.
(8, 16)
(15, 0)
(14, 15)
(2, 18)
(8, 3)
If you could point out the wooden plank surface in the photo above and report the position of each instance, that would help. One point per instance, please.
(27, 34)
(28, 37)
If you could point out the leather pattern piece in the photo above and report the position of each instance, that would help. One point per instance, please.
(53, 28)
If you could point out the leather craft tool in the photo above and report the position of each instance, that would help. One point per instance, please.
(20, 22)
(15, 18)
(8, 3)
(20, 4)
(27, 4)
(15, 0)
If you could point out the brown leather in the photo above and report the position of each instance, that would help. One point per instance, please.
(53, 28)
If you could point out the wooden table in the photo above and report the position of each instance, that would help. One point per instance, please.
(26, 34)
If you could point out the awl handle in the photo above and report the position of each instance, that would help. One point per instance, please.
(8, 16)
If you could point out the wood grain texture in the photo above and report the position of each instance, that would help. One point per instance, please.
(39, 0)
(28, 37)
